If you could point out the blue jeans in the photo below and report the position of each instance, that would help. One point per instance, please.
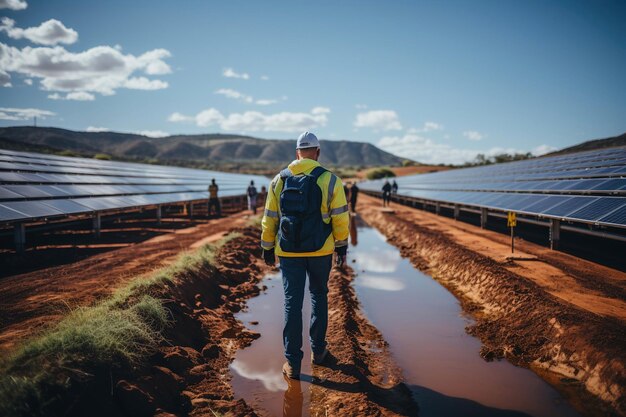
(294, 272)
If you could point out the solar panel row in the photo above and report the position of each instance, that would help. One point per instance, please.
(34, 186)
(597, 196)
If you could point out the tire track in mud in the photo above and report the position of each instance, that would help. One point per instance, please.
(582, 354)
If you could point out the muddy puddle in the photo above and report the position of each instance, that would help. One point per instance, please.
(425, 328)
(256, 370)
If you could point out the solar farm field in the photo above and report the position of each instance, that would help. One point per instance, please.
(122, 295)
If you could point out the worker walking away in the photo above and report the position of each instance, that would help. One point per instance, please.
(305, 220)
(354, 193)
(386, 193)
(394, 187)
(214, 202)
(252, 193)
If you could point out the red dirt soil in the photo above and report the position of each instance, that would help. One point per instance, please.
(31, 300)
(562, 316)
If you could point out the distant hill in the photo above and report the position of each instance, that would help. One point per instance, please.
(593, 144)
(207, 150)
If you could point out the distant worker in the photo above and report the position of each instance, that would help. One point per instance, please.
(394, 187)
(306, 219)
(354, 193)
(386, 193)
(252, 193)
(214, 202)
(346, 191)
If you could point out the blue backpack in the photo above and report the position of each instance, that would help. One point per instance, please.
(301, 227)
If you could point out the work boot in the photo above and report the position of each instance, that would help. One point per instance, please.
(318, 358)
(290, 372)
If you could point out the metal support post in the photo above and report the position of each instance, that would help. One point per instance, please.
(97, 223)
(457, 211)
(483, 218)
(20, 237)
(555, 233)
(437, 208)
(159, 214)
(190, 210)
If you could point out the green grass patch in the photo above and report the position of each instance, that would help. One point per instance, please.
(119, 331)
(376, 173)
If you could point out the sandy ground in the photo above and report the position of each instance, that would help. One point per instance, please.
(31, 300)
(562, 316)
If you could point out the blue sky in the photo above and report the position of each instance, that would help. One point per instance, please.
(432, 80)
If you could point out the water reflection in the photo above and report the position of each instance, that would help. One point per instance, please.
(293, 400)
(425, 328)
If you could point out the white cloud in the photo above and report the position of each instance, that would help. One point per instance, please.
(206, 117)
(378, 120)
(253, 121)
(320, 110)
(153, 133)
(143, 83)
(50, 32)
(360, 106)
(265, 77)
(102, 69)
(178, 117)
(97, 129)
(266, 102)
(473, 135)
(230, 73)
(543, 149)
(13, 4)
(28, 81)
(227, 92)
(76, 95)
(234, 94)
(428, 151)
(12, 113)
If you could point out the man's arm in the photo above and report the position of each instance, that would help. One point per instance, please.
(340, 220)
(269, 223)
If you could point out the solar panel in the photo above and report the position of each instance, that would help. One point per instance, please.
(616, 217)
(568, 206)
(8, 214)
(598, 208)
(33, 209)
(66, 206)
(7, 194)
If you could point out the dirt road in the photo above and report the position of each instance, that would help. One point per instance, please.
(561, 316)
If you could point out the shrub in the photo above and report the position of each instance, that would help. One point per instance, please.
(376, 173)
(102, 156)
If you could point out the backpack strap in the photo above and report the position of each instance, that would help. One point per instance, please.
(317, 172)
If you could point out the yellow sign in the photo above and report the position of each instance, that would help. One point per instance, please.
(511, 220)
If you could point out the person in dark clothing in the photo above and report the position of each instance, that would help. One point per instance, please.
(354, 193)
(346, 191)
(214, 201)
(386, 193)
(394, 187)
(252, 193)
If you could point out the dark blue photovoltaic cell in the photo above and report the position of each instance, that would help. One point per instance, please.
(66, 206)
(545, 204)
(29, 191)
(34, 209)
(7, 194)
(612, 184)
(599, 208)
(569, 206)
(617, 217)
(6, 214)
